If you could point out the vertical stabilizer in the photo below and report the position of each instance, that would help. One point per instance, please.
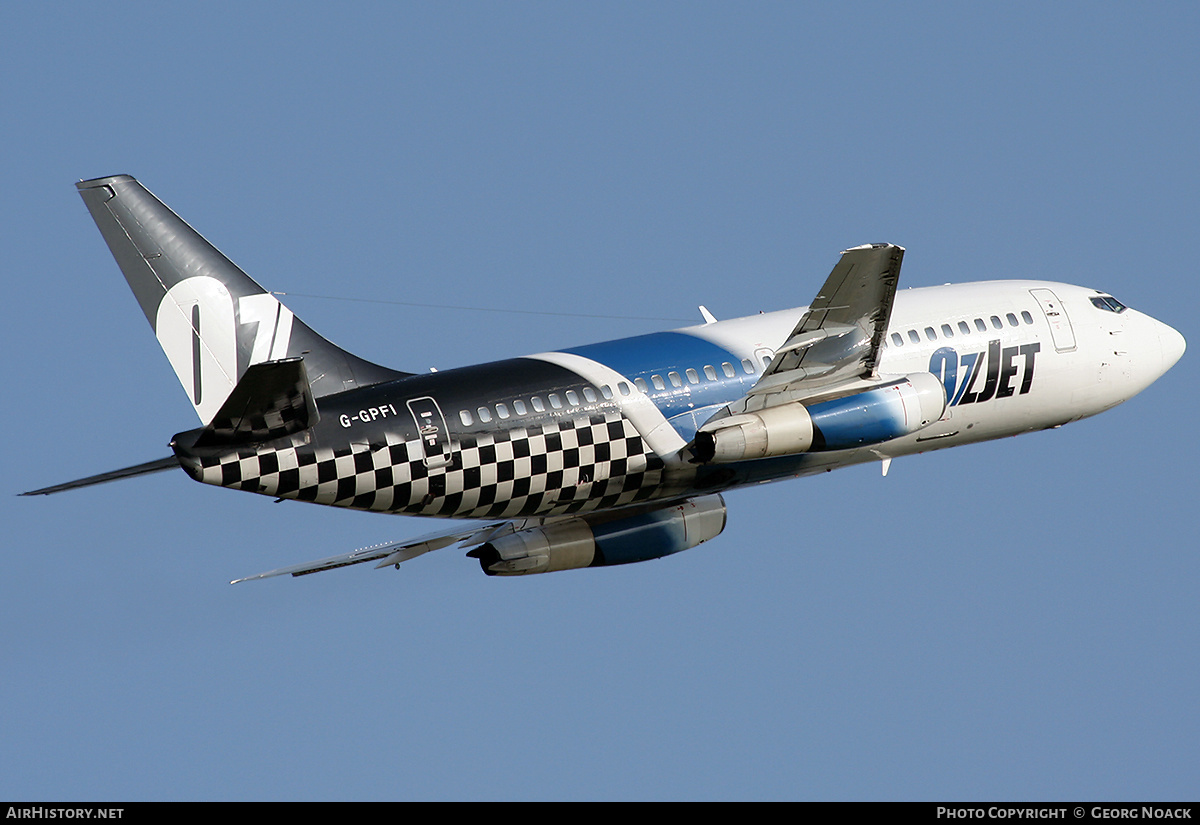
(212, 320)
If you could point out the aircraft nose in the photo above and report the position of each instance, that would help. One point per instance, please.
(1172, 345)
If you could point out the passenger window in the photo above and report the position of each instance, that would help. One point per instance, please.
(465, 417)
(555, 401)
(538, 406)
(573, 398)
(930, 334)
(624, 388)
(589, 395)
(692, 377)
(710, 373)
(640, 383)
(913, 336)
(947, 330)
(502, 410)
(1012, 319)
(485, 415)
(748, 366)
(980, 325)
(997, 323)
(676, 381)
(897, 340)
(727, 368)
(519, 406)
(963, 328)
(606, 391)
(1026, 317)
(658, 382)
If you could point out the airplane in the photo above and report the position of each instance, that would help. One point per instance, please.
(615, 452)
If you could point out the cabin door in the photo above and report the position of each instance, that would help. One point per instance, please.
(1060, 324)
(432, 431)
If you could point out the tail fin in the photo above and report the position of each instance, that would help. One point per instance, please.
(212, 320)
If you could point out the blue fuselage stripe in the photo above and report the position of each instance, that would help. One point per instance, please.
(660, 353)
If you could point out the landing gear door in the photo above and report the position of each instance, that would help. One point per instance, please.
(431, 429)
(1060, 324)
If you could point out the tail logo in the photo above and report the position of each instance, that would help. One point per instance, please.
(202, 328)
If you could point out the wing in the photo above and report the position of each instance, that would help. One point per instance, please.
(832, 352)
(838, 339)
(393, 553)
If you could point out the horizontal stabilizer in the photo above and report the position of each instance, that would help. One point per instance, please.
(158, 466)
(273, 399)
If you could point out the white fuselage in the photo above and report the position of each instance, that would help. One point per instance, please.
(1088, 361)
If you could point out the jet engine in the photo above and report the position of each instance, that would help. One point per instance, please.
(870, 417)
(591, 542)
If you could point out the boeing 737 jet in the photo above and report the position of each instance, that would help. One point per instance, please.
(614, 452)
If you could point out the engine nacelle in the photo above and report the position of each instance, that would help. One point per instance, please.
(781, 430)
(571, 544)
(870, 417)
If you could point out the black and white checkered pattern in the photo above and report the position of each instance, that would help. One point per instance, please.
(273, 400)
(285, 414)
(567, 466)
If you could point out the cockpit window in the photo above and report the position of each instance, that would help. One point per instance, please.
(1108, 303)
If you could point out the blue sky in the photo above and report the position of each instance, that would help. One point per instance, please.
(1010, 620)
